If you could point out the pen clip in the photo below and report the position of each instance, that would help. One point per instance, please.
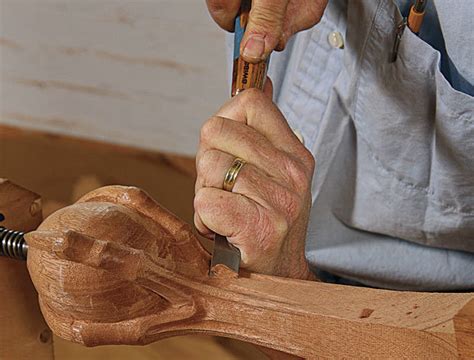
(398, 37)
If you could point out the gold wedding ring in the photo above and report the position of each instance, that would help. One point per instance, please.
(231, 175)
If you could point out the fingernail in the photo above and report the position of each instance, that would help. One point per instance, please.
(255, 47)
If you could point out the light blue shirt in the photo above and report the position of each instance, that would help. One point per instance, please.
(393, 189)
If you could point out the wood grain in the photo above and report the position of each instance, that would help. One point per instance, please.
(40, 139)
(23, 331)
(116, 268)
(141, 73)
(464, 326)
(66, 168)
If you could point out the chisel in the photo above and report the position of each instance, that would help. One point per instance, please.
(245, 75)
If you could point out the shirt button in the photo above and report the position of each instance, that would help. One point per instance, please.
(336, 40)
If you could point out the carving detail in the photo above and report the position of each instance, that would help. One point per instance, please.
(114, 260)
(116, 268)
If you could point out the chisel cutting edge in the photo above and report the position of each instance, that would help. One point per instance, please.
(224, 253)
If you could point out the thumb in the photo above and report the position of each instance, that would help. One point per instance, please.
(264, 29)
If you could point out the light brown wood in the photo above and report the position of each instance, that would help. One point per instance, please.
(23, 331)
(25, 152)
(116, 268)
(464, 326)
(183, 164)
(21, 207)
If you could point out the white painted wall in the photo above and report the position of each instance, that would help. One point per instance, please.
(146, 73)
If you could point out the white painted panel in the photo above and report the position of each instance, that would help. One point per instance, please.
(146, 73)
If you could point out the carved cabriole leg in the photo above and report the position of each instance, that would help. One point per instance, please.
(321, 320)
(23, 331)
(116, 268)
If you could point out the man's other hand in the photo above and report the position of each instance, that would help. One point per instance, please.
(271, 22)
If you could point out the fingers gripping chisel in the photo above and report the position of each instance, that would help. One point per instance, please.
(245, 75)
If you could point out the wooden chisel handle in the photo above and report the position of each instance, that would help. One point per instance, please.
(246, 75)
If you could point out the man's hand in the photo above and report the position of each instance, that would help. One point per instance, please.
(266, 214)
(271, 22)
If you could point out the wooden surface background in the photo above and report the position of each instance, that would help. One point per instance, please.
(145, 73)
(62, 169)
(23, 331)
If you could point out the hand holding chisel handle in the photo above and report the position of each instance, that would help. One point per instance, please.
(245, 75)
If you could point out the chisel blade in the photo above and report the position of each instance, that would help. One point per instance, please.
(226, 254)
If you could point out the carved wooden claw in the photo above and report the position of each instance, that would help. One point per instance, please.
(110, 267)
(116, 268)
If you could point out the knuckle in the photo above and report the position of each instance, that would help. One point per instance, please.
(279, 227)
(308, 160)
(296, 173)
(206, 162)
(316, 10)
(273, 227)
(265, 17)
(199, 225)
(222, 7)
(282, 43)
(292, 203)
(212, 128)
(289, 202)
(313, 14)
(217, 6)
(199, 201)
(207, 165)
